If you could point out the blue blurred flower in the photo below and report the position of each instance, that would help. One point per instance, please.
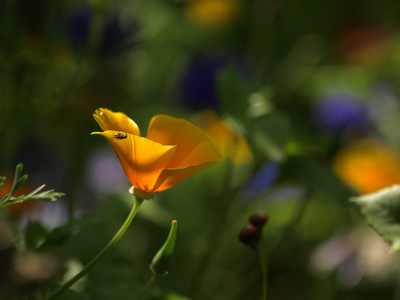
(198, 86)
(114, 38)
(337, 112)
(261, 180)
(78, 29)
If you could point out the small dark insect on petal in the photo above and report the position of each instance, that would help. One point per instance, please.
(120, 136)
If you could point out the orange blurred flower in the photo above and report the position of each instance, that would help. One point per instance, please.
(368, 166)
(173, 150)
(215, 13)
(365, 47)
(229, 143)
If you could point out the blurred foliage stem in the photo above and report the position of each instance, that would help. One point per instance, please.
(95, 32)
(260, 42)
(146, 287)
(292, 226)
(218, 227)
(112, 242)
(49, 28)
(396, 291)
(259, 250)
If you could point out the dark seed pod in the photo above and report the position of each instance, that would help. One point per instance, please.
(250, 235)
(259, 219)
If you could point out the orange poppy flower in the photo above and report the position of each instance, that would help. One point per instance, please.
(173, 150)
(229, 143)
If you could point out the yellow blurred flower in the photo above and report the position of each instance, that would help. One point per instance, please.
(215, 13)
(221, 133)
(173, 150)
(368, 166)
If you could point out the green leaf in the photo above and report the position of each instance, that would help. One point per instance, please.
(232, 91)
(35, 234)
(269, 134)
(44, 196)
(382, 211)
(18, 180)
(31, 194)
(49, 195)
(62, 234)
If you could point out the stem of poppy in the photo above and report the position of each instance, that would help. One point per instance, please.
(146, 287)
(112, 242)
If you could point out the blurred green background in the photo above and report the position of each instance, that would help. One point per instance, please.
(304, 93)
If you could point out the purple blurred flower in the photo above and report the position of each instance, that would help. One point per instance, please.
(105, 173)
(337, 112)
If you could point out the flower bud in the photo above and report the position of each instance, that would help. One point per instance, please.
(160, 263)
(250, 235)
(259, 219)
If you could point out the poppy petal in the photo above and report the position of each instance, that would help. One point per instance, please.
(142, 159)
(193, 145)
(170, 177)
(109, 120)
(204, 152)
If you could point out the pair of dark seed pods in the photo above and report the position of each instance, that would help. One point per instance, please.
(251, 234)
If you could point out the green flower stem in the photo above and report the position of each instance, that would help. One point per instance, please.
(111, 243)
(146, 287)
(264, 270)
